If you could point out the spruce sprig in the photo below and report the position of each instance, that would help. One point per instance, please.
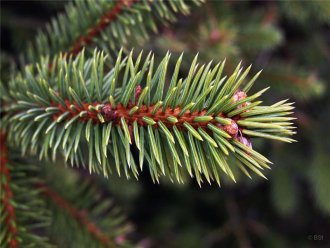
(22, 212)
(85, 216)
(175, 124)
(108, 25)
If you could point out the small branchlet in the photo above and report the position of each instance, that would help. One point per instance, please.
(180, 127)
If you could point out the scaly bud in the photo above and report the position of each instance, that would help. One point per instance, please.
(244, 140)
(138, 90)
(239, 95)
(231, 128)
(108, 112)
(244, 104)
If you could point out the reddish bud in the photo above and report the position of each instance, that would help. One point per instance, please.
(244, 141)
(215, 36)
(239, 95)
(231, 128)
(108, 112)
(244, 104)
(138, 90)
(120, 239)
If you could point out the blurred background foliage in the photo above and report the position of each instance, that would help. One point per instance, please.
(290, 41)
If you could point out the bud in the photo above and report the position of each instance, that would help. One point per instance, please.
(244, 141)
(215, 36)
(238, 95)
(138, 90)
(231, 129)
(244, 104)
(107, 112)
(120, 239)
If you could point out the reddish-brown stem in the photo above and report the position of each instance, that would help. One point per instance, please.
(114, 115)
(79, 215)
(94, 31)
(105, 20)
(7, 196)
(121, 111)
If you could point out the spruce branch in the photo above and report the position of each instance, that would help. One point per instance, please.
(105, 24)
(193, 123)
(21, 210)
(29, 204)
(293, 80)
(84, 216)
(301, 13)
(76, 214)
(7, 209)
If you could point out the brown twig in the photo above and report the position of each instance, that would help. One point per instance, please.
(79, 215)
(96, 30)
(7, 195)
